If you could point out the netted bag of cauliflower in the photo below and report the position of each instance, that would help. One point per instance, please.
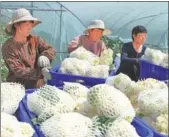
(11, 127)
(48, 100)
(99, 71)
(121, 128)
(68, 125)
(153, 102)
(11, 95)
(120, 81)
(74, 66)
(110, 102)
(82, 54)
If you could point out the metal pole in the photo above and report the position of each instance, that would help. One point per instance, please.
(32, 7)
(61, 28)
(37, 9)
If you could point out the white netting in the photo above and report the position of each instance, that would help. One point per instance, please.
(121, 128)
(74, 66)
(48, 100)
(153, 102)
(100, 71)
(11, 127)
(120, 81)
(68, 125)
(110, 102)
(83, 54)
(76, 90)
(11, 95)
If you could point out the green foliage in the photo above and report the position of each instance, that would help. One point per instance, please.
(3, 38)
(115, 45)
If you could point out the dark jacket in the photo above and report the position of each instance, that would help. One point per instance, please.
(130, 61)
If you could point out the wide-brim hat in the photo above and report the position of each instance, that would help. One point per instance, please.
(98, 24)
(20, 15)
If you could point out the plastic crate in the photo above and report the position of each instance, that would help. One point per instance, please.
(155, 133)
(59, 78)
(149, 70)
(23, 116)
(141, 129)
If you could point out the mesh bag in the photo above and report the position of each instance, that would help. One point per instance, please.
(100, 71)
(120, 128)
(68, 125)
(76, 90)
(106, 57)
(11, 95)
(107, 102)
(153, 102)
(48, 100)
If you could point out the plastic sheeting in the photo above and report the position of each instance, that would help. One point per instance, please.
(59, 28)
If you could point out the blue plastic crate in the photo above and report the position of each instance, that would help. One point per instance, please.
(23, 116)
(149, 70)
(141, 129)
(155, 133)
(58, 78)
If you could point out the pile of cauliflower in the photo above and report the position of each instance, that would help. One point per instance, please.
(156, 57)
(85, 63)
(11, 95)
(80, 111)
(149, 97)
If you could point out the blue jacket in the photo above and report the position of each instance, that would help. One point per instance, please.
(129, 61)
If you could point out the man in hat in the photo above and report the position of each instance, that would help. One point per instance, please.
(91, 40)
(25, 55)
(132, 52)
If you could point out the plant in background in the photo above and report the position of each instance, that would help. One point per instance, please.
(115, 45)
(3, 38)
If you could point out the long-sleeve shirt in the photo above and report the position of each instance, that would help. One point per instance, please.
(129, 61)
(95, 47)
(21, 64)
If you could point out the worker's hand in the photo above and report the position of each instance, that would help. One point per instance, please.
(46, 74)
(43, 62)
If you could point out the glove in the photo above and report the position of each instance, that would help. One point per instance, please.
(43, 62)
(46, 74)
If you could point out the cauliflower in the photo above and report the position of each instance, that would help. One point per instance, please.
(11, 95)
(107, 102)
(82, 54)
(11, 127)
(74, 66)
(48, 100)
(68, 125)
(106, 57)
(121, 128)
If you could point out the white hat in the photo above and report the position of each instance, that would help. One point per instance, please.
(18, 16)
(98, 24)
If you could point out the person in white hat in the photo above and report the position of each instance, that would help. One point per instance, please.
(25, 55)
(91, 40)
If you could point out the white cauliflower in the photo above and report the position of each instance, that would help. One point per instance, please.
(11, 95)
(74, 66)
(82, 54)
(106, 57)
(107, 102)
(68, 125)
(121, 128)
(11, 127)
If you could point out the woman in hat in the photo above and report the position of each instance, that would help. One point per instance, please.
(25, 55)
(132, 52)
(91, 40)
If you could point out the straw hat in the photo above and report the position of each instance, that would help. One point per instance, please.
(98, 24)
(18, 16)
